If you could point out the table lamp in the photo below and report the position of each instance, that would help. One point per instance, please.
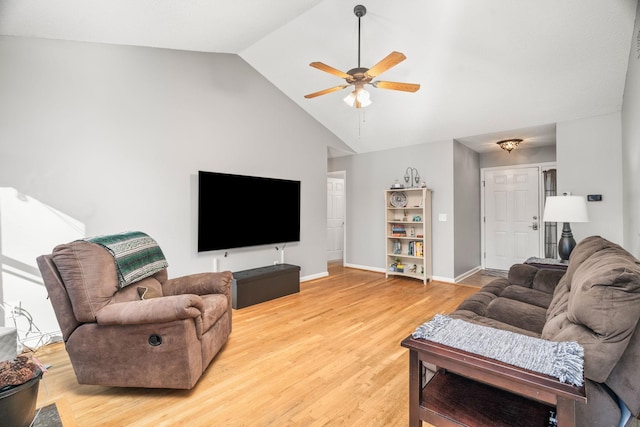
(565, 209)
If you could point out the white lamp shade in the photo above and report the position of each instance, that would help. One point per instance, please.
(361, 94)
(565, 209)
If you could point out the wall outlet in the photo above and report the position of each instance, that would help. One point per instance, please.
(442, 217)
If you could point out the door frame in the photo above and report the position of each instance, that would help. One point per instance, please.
(541, 167)
(341, 175)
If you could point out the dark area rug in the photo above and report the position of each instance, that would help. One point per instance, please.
(495, 273)
(47, 416)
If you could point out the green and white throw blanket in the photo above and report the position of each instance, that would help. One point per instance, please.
(136, 255)
(562, 360)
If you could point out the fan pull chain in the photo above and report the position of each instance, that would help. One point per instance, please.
(362, 119)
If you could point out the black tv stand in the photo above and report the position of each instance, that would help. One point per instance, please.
(264, 283)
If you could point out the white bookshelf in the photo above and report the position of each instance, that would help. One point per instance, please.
(408, 233)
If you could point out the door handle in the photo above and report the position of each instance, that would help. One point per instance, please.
(534, 226)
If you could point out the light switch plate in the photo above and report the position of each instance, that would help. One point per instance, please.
(442, 217)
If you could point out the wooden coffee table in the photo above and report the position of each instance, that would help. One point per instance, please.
(471, 390)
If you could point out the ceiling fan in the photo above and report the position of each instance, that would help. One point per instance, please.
(360, 76)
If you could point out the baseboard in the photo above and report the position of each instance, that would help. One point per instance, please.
(443, 279)
(365, 267)
(471, 272)
(314, 276)
(437, 278)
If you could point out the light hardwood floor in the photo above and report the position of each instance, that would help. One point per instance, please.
(327, 356)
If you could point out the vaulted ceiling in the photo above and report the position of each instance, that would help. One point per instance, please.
(487, 69)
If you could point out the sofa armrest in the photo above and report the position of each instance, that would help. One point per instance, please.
(200, 284)
(154, 310)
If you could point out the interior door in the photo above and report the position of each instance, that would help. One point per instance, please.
(512, 216)
(335, 218)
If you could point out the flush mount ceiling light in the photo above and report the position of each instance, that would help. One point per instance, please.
(509, 144)
(359, 76)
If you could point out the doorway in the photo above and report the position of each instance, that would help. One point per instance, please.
(511, 227)
(336, 195)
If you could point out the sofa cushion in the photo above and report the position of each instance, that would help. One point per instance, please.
(529, 296)
(522, 275)
(517, 313)
(478, 302)
(472, 317)
(147, 292)
(521, 300)
(547, 279)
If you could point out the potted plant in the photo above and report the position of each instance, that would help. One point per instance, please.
(19, 384)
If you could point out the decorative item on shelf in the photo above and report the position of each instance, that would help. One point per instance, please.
(509, 144)
(412, 177)
(417, 218)
(565, 209)
(413, 232)
(397, 247)
(398, 199)
(396, 185)
(413, 268)
(406, 216)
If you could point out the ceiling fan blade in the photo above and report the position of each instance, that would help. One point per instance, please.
(394, 58)
(324, 92)
(330, 70)
(405, 87)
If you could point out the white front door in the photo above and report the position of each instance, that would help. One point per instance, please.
(511, 216)
(335, 218)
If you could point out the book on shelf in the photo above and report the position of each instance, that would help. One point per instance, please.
(398, 230)
(415, 249)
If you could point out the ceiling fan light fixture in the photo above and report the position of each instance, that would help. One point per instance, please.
(509, 144)
(359, 98)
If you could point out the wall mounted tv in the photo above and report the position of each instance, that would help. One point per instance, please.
(237, 211)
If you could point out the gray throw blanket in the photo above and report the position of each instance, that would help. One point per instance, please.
(562, 360)
(136, 255)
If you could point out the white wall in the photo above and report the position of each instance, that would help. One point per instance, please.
(589, 159)
(114, 136)
(369, 174)
(631, 146)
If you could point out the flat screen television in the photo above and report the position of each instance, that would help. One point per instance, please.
(236, 211)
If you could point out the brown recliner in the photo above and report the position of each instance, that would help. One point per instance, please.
(115, 338)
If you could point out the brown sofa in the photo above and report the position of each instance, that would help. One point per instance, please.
(595, 303)
(114, 337)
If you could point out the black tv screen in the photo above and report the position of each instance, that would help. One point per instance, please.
(237, 211)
